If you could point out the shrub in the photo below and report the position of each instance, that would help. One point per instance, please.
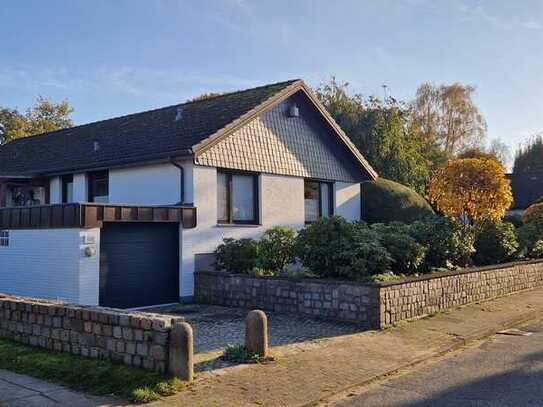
(515, 219)
(450, 244)
(236, 255)
(367, 254)
(333, 247)
(385, 201)
(495, 242)
(407, 254)
(532, 231)
(537, 250)
(533, 215)
(276, 249)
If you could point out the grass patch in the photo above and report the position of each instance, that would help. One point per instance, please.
(239, 354)
(88, 375)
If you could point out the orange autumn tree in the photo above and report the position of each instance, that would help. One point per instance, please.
(472, 187)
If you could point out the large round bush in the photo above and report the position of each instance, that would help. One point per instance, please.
(333, 247)
(385, 201)
(495, 242)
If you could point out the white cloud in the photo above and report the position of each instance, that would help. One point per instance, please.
(501, 22)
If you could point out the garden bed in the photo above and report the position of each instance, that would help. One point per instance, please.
(373, 305)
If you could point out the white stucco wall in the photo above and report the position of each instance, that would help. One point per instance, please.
(347, 200)
(146, 185)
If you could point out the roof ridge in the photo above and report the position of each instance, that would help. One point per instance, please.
(51, 133)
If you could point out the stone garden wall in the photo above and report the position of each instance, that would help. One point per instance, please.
(420, 296)
(135, 339)
(375, 305)
(344, 301)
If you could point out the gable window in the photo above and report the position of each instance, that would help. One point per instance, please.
(99, 186)
(237, 197)
(67, 188)
(318, 199)
(4, 238)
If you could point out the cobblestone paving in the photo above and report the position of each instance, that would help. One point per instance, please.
(215, 327)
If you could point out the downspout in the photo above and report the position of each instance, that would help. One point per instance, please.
(182, 180)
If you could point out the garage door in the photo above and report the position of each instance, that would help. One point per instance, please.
(139, 264)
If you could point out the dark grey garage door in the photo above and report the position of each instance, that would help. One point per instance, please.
(139, 264)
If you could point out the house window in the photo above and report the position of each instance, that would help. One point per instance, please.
(237, 197)
(4, 238)
(319, 200)
(67, 188)
(99, 186)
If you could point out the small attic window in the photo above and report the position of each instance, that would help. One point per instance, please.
(293, 110)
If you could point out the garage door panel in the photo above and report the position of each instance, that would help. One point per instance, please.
(139, 265)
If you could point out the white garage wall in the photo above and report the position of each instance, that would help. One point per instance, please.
(41, 263)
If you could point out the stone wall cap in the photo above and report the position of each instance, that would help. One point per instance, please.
(452, 273)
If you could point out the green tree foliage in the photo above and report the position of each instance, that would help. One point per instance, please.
(381, 130)
(385, 201)
(43, 117)
(529, 158)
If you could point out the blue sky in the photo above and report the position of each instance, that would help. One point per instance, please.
(114, 57)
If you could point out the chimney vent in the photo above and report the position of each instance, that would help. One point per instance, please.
(96, 146)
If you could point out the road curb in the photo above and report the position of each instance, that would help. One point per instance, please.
(456, 343)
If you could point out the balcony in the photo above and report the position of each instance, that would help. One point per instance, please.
(92, 215)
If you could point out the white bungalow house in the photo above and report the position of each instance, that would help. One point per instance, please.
(120, 212)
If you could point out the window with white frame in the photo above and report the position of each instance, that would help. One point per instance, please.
(4, 238)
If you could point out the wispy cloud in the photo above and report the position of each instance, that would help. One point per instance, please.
(125, 81)
(502, 22)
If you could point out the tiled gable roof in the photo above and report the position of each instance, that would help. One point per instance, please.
(138, 137)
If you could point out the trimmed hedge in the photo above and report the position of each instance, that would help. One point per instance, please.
(385, 201)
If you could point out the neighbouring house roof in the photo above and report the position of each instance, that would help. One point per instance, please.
(527, 188)
(154, 135)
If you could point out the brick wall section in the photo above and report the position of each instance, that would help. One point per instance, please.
(425, 295)
(135, 339)
(319, 298)
(374, 305)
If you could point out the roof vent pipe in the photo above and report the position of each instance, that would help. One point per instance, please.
(96, 146)
(294, 111)
(179, 114)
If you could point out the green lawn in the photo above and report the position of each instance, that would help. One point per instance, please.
(87, 375)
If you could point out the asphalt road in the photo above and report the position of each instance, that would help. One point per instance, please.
(503, 371)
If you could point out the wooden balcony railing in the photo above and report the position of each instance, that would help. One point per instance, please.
(91, 215)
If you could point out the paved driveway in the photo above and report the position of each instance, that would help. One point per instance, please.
(215, 327)
(506, 371)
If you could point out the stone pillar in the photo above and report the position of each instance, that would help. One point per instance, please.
(256, 333)
(181, 350)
